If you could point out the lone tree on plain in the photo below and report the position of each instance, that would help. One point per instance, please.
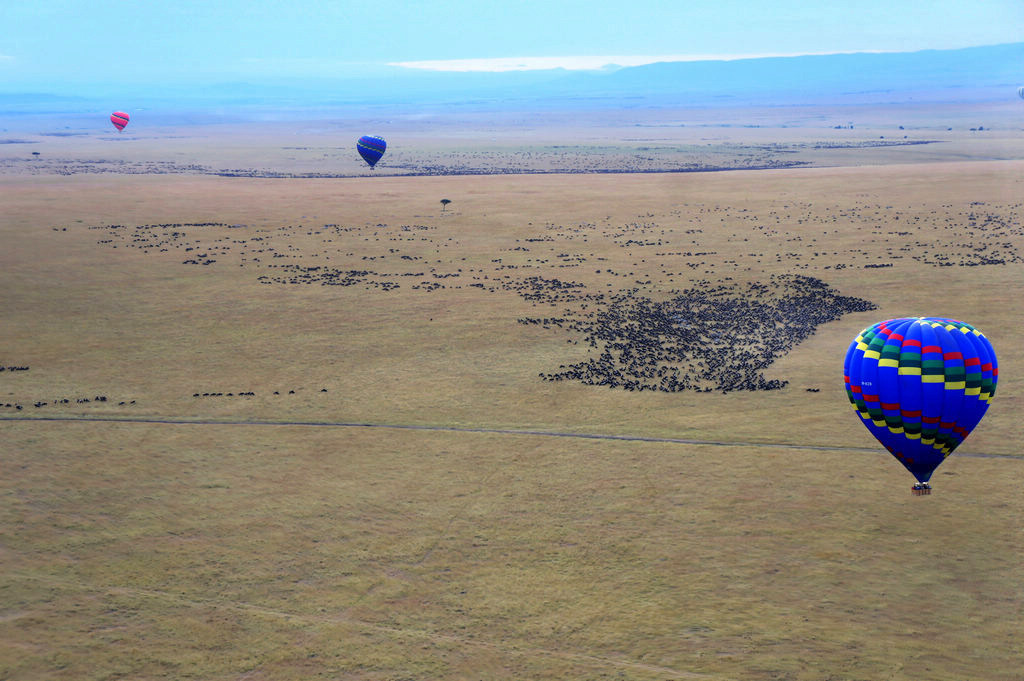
(444, 203)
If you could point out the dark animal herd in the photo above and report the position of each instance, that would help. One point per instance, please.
(561, 159)
(65, 401)
(713, 333)
(711, 338)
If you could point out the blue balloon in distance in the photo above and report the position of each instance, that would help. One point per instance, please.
(920, 385)
(371, 148)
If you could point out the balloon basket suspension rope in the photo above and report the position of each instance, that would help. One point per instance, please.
(921, 489)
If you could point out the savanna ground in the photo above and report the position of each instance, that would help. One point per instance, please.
(188, 491)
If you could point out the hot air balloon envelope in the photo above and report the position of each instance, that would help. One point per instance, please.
(371, 148)
(920, 385)
(119, 119)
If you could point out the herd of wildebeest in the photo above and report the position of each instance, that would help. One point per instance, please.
(637, 156)
(712, 337)
(699, 324)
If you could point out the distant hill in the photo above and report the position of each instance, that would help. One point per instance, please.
(869, 76)
(969, 74)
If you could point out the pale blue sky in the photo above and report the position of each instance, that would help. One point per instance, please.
(47, 45)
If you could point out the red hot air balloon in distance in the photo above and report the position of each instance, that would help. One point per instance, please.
(119, 119)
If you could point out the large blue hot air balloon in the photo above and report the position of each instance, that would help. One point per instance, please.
(920, 385)
(371, 148)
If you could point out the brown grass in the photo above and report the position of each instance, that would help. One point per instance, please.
(146, 550)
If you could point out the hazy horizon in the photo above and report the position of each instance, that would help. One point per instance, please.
(60, 47)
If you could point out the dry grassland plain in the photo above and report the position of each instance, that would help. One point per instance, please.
(308, 423)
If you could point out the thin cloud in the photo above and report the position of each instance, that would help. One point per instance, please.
(579, 63)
